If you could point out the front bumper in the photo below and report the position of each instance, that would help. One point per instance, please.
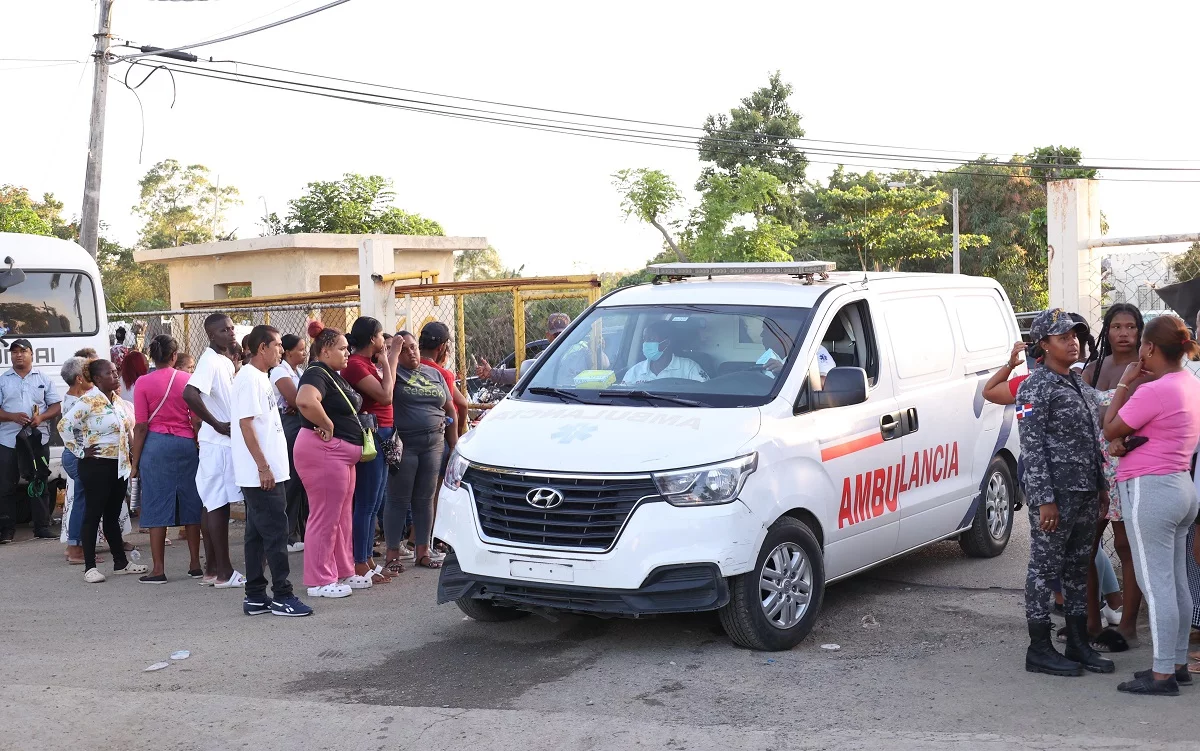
(657, 536)
(670, 589)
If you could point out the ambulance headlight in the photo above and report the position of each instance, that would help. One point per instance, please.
(705, 486)
(455, 469)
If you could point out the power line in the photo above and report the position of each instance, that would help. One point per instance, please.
(571, 113)
(649, 138)
(255, 30)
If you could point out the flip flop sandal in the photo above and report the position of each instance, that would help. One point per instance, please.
(426, 561)
(394, 566)
(1109, 640)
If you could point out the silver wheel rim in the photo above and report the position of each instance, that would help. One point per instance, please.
(996, 503)
(785, 585)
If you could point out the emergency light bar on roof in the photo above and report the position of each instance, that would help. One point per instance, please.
(805, 270)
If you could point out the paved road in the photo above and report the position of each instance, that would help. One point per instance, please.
(387, 668)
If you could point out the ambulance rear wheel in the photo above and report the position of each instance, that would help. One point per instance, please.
(992, 526)
(773, 606)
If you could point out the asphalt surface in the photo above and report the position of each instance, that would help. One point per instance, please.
(388, 668)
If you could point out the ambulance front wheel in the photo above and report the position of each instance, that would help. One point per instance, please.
(990, 530)
(773, 606)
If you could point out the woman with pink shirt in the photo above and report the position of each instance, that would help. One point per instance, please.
(1158, 499)
(165, 457)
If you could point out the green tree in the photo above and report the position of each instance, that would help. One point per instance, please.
(354, 205)
(1186, 266)
(760, 134)
(651, 196)
(130, 286)
(730, 224)
(472, 265)
(181, 205)
(875, 222)
(1065, 161)
(20, 213)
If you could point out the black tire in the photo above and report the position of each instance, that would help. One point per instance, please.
(743, 617)
(983, 540)
(486, 612)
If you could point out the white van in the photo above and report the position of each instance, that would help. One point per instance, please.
(58, 306)
(727, 478)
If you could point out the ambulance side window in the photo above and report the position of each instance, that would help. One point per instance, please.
(850, 341)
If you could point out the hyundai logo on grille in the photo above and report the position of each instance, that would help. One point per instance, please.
(544, 498)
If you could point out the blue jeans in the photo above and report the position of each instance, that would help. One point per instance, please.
(70, 464)
(368, 497)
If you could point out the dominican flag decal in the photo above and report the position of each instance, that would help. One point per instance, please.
(1023, 410)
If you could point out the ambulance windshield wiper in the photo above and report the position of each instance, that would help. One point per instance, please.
(648, 396)
(566, 396)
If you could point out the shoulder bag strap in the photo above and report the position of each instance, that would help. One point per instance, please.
(170, 383)
(339, 388)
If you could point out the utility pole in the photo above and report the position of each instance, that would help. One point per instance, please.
(89, 220)
(954, 201)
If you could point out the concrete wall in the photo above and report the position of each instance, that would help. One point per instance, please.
(286, 270)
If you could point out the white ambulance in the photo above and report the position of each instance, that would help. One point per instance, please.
(755, 432)
(50, 294)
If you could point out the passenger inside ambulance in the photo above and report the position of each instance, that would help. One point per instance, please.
(660, 360)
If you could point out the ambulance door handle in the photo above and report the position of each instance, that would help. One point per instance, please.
(911, 425)
(889, 426)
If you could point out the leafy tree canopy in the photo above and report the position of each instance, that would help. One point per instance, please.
(180, 205)
(354, 205)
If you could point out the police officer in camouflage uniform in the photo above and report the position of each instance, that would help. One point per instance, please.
(1063, 484)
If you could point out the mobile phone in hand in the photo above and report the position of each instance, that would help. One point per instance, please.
(1133, 441)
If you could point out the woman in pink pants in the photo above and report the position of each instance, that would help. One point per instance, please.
(329, 445)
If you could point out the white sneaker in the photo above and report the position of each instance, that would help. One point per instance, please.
(1112, 616)
(237, 580)
(330, 590)
(359, 582)
(295, 547)
(93, 576)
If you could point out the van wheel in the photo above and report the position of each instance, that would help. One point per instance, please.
(486, 612)
(989, 532)
(773, 606)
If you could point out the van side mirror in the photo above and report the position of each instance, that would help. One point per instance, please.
(843, 387)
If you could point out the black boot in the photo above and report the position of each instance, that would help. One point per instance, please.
(1042, 657)
(1079, 648)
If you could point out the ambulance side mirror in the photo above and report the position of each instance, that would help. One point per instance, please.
(843, 387)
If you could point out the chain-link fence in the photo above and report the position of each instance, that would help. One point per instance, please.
(1135, 277)
(187, 326)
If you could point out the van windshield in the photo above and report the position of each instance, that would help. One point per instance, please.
(664, 356)
(49, 303)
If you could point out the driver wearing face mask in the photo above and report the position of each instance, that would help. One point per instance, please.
(660, 361)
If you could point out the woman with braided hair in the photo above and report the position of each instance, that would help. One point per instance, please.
(1120, 337)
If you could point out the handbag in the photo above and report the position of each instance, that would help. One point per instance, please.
(369, 451)
(393, 451)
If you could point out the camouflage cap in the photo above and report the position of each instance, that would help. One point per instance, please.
(557, 323)
(1052, 323)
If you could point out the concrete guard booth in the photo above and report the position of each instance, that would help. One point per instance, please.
(282, 265)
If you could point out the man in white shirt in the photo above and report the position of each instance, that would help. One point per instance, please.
(776, 352)
(660, 361)
(208, 396)
(261, 470)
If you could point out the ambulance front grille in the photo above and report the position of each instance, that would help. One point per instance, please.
(593, 511)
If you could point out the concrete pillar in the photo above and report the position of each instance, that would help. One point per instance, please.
(376, 257)
(1073, 268)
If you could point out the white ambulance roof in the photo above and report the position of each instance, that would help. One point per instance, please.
(781, 290)
(40, 252)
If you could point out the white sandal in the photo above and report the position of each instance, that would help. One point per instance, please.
(237, 580)
(93, 576)
(133, 568)
(359, 582)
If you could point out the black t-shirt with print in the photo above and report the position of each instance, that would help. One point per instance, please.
(344, 416)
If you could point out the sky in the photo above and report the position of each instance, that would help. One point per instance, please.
(981, 77)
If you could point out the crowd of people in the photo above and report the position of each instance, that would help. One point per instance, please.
(333, 446)
(1109, 431)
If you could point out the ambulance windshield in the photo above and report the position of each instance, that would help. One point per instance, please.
(702, 355)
